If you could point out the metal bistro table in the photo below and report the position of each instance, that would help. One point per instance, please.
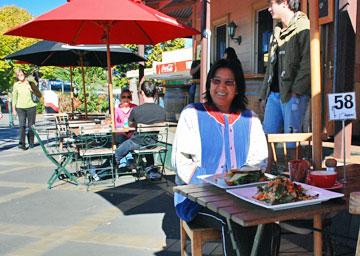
(247, 214)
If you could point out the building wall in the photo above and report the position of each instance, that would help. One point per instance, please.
(243, 13)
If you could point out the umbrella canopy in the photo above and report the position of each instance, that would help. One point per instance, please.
(89, 21)
(48, 53)
(105, 21)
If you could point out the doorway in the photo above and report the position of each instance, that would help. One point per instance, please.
(264, 29)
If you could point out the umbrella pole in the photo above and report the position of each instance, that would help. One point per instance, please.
(71, 90)
(110, 87)
(84, 89)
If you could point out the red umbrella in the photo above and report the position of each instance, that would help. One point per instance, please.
(105, 21)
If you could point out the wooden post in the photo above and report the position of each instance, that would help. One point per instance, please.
(315, 82)
(205, 46)
(84, 85)
(71, 90)
(317, 235)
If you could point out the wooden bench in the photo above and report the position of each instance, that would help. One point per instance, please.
(198, 236)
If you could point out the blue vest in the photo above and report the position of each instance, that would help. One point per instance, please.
(215, 133)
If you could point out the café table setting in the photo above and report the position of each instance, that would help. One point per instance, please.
(245, 203)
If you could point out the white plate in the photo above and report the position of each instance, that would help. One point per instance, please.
(218, 180)
(248, 193)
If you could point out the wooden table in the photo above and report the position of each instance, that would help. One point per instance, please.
(247, 214)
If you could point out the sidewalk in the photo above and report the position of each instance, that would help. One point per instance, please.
(134, 218)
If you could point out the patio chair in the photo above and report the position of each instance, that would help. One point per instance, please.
(62, 129)
(60, 158)
(97, 155)
(304, 226)
(283, 138)
(155, 138)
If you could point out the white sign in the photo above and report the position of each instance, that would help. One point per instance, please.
(342, 106)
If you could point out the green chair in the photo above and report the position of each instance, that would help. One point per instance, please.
(64, 155)
(97, 156)
(155, 144)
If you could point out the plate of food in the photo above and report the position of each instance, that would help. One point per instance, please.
(237, 178)
(281, 193)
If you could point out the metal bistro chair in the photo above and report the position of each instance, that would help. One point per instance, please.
(60, 157)
(97, 155)
(155, 144)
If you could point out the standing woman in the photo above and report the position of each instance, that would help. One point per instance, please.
(24, 106)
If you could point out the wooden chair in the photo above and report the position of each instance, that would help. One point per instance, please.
(198, 236)
(155, 144)
(284, 138)
(62, 129)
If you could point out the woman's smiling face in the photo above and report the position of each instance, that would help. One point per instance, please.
(223, 89)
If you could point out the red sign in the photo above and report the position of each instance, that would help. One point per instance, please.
(173, 67)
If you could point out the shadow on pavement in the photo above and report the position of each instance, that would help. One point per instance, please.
(8, 138)
(161, 203)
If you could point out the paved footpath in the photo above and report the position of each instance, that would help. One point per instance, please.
(134, 218)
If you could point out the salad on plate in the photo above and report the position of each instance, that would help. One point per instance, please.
(282, 190)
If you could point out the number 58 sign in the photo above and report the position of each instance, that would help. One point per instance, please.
(342, 106)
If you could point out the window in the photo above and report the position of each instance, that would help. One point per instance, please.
(264, 29)
(220, 41)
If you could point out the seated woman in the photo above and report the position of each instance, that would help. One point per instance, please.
(122, 112)
(214, 137)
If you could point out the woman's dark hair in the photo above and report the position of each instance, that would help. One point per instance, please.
(125, 90)
(148, 88)
(294, 5)
(231, 55)
(240, 101)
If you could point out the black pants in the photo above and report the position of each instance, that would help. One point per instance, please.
(244, 236)
(24, 114)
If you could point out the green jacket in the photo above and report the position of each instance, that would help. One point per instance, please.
(22, 93)
(293, 59)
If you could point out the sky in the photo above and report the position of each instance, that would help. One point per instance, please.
(35, 7)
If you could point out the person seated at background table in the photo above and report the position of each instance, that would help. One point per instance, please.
(214, 137)
(122, 113)
(147, 113)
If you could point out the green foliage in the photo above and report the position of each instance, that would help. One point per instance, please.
(10, 17)
(40, 108)
(154, 53)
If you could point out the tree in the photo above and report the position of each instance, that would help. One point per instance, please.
(10, 17)
(154, 53)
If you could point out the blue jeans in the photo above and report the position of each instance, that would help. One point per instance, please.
(124, 148)
(285, 117)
